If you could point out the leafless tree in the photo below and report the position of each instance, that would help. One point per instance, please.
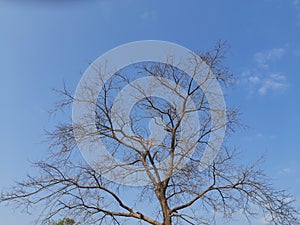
(68, 186)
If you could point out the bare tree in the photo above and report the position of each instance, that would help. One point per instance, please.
(174, 194)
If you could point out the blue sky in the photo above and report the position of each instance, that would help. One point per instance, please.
(43, 44)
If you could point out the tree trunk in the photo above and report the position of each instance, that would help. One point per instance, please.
(160, 191)
(167, 220)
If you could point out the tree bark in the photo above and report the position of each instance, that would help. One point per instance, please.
(160, 191)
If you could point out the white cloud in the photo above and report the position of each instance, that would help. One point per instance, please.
(287, 171)
(254, 79)
(274, 83)
(296, 3)
(263, 58)
(261, 79)
(148, 15)
(278, 76)
(258, 137)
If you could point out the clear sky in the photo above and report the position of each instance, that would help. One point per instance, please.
(43, 44)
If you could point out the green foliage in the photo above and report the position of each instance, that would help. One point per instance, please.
(66, 221)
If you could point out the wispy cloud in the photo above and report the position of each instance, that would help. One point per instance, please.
(259, 137)
(261, 78)
(264, 57)
(286, 171)
(272, 83)
(296, 4)
(148, 15)
(289, 169)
